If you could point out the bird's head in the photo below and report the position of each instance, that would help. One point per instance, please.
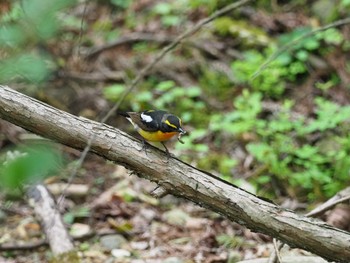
(173, 123)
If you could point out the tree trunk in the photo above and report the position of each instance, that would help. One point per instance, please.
(176, 177)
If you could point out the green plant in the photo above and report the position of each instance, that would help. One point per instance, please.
(280, 144)
(215, 84)
(77, 212)
(288, 66)
(23, 29)
(28, 164)
(230, 241)
(164, 95)
(123, 4)
(271, 82)
(249, 35)
(169, 12)
(310, 167)
(244, 118)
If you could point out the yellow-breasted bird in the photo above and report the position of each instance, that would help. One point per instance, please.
(155, 125)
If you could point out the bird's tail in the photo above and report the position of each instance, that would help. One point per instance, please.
(124, 114)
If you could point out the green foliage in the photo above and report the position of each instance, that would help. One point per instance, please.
(215, 84)
(191, 141)
(248, 34)
(13, 15)
(28, 164)
(211, 5)
(23, 28)
(32, 68)
(288, 66)
(124, 4)
(230, 241)
(329, 116)
(306, 166)
(282, 144)
(344, 5)
(113, 92)
(219, 163)
(76, 213)
(170, 12)
(164, 95)
(243, 119)
(270, 82)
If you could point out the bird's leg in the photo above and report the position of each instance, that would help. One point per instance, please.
(144, 146)
(166, 150)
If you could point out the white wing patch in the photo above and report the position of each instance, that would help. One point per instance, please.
(146, 118)
(133, 123)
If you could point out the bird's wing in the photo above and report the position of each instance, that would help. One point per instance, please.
(144, 121)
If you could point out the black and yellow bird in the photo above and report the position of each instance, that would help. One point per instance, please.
(156, 125)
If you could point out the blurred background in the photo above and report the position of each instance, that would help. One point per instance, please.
(283, 135)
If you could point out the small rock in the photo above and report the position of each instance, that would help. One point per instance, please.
(110, 242)
(148, 214)
(196, 223)
(120, 253)
(96, 254)
(78, 230)
(176, 217)
(140, 245)
(173, 260)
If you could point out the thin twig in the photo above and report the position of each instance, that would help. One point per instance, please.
(278, 246)
(329, 206)
(171, 46)
(130, 38)
(275, 255)
(81, 29)
(26, 246)
(145, 70)
(201, 44)
(43, 242)
(292, 44)
(315, 212)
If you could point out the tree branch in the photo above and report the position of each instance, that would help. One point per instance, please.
(50, 218)
(176, 177)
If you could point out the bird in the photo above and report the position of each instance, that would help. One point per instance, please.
(155, 126)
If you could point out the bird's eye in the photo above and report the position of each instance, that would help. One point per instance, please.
(170, 124)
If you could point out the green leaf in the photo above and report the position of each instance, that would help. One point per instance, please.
(201, 148)
(28, 67)
(124, 4)
(193, 91)
(35, 163)
(165, 85)
(306, 151)
(302, 55)
(260, 150)
(113, 92)
(11, 36)
(162, 8)
(144, 96)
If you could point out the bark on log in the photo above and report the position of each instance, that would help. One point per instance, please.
(177, 177)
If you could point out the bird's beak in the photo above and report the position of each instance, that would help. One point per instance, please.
(182, 131)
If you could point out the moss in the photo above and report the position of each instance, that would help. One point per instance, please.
(248, 34)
